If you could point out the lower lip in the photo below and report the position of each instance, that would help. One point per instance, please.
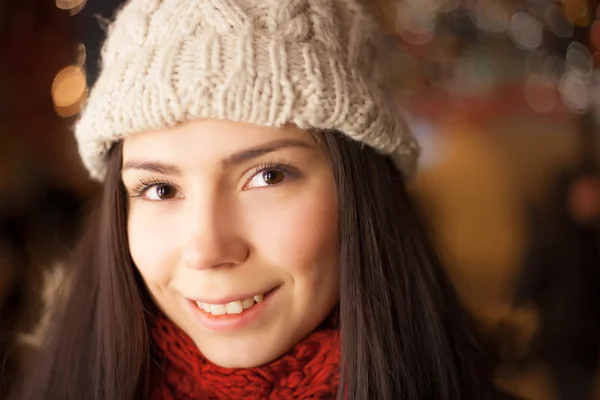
(231, 322)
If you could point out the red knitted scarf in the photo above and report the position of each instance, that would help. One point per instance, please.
(310, 370)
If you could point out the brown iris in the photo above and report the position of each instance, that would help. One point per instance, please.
(273, 176)
(165, 192)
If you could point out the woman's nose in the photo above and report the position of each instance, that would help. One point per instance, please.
(212, 239)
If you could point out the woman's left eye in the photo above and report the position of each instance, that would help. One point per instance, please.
(267, 177)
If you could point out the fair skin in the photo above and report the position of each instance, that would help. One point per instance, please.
(251, 210)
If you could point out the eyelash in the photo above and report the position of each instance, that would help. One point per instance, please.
(144, 184)
(279, 165)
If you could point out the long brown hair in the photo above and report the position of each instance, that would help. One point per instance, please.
(404, 333)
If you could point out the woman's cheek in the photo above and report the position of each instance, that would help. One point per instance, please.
(153, 237)
(299, 233)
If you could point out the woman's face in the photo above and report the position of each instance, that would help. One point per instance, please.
(234, 229)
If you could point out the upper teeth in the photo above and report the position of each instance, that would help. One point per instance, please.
(235, 307)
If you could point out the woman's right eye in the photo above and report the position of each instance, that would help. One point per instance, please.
(159, 192)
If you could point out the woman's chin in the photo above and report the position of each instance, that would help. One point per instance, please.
(226, 358)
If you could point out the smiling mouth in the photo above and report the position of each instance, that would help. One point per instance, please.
(234, 307)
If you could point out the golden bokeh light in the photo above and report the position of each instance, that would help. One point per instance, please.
(73, 6)
(577, 12)
(69, 91)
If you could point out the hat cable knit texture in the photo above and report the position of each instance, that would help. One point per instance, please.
(312, 63)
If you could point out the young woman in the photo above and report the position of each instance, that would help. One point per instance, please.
(254, 238)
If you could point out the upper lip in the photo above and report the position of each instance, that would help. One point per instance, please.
(231, 298)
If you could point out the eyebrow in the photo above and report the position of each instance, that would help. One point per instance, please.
(232, 160)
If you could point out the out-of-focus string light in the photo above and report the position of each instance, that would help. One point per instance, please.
(574, 85)
(490, 16)
(73, 6)
(526, 31)
(577, 12)
(415, 26)
(557, 22)
(69, 91)
(574, 92)
(543, 62)
(579, 60)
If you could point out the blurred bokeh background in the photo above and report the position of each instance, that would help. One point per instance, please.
(504, 96)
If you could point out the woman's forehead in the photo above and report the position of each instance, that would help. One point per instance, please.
(220, 141)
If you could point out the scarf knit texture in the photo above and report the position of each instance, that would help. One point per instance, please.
(310, 370)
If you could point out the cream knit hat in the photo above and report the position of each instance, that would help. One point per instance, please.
(312, 63)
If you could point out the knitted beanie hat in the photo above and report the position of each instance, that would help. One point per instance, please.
(312, 63)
